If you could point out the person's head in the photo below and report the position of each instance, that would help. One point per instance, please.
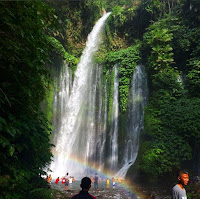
(183, 177)
(67, 174)
(85, 183)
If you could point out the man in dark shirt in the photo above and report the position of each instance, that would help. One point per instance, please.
(85, 185)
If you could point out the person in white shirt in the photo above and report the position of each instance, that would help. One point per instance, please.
(178, 191)
(66, 181)
(70, 180)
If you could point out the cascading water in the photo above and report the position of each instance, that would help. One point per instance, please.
(78, 135)
(137, 100)
(104, 128)
(114, 122)
(63, 84)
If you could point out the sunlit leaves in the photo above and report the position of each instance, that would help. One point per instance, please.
(127, 59)
(171, 132)
(58, 47)
(158, 38)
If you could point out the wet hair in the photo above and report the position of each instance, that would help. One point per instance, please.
(181, 172)
(85, 183)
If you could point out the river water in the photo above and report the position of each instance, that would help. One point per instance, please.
(119, 191)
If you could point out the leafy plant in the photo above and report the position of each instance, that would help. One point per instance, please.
(127, 59)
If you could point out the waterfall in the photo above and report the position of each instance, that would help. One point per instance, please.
(63, 84)
(78, 136)
(114, 122)
(137, 100)
(104, 128)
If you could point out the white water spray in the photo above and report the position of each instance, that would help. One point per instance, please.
(73, 142)
(114, 122)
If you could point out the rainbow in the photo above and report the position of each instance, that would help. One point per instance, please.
(125, 184)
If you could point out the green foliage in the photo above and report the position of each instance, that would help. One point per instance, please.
(58, 47)
(155, 8)
(128, 23)
(127, 59)
(109, 5)
(193, 190)
(158, 41)
(24, 139)
(115, 26)
(100, 55)
(167, 81)
(193, 77)
(170, 131)
(75, 21)
(193, 64)
(172, 115)
(117, 12)
(190, 10)
(41, 193)
(158, 8)
(47, 104)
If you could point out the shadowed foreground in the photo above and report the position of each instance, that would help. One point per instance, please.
(118, 192)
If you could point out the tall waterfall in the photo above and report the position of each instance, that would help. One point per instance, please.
(79, 140)
(103, 135)
(114, 122)
(137, 100)
(63, 85)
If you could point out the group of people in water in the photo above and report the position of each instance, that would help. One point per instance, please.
(86, 183)
(178, 191)
(109, 181)
(68, 180)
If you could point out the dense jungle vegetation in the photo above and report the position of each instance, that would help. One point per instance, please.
(162, 35)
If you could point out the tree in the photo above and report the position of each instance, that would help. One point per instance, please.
(24, 139)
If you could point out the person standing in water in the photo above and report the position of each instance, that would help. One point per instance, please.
(57, 180)
(113, 181)
(66, 181)
(85, 185)
(178, 191)
(96, 179)
(48, 179)
(107, 183)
